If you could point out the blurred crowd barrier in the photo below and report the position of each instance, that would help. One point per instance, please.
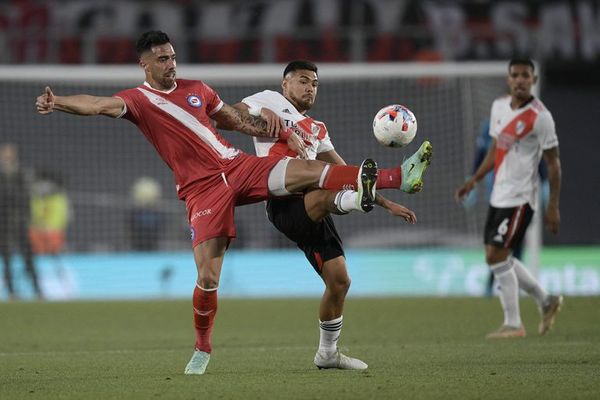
(285, 273)
(232, 31)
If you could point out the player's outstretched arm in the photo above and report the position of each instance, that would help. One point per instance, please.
(486, 166)
(81, 104)
(396, 209)
(268, 124)
(552, 216)
(239, 119)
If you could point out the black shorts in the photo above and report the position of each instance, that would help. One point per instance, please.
(506, 227)
(319, 241)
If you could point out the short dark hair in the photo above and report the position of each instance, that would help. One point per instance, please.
(521, 61)
(300, 64)
(149, 39)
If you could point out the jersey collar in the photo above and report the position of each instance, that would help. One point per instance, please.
(162, 91)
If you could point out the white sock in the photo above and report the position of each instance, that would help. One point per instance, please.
(346, 201)
(330, 333)
(528, 283)
(509, 292)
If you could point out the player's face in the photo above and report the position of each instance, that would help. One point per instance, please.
(160, 65)
(300, 88)
(520, 81)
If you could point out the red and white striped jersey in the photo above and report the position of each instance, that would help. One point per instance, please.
(177, 123)
(521, 137)
(314, 133)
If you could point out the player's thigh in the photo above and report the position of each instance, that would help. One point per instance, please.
(318, 204)
(319, 241)
(211, 214)
(504, 230)
(303, 174)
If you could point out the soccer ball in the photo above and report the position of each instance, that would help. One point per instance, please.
(394, 126)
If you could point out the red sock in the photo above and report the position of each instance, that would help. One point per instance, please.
(344, 177)
(205, 309)
(389, 178)
(340, 177)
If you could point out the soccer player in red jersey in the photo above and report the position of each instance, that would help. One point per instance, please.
(522, 131)
(211, 176)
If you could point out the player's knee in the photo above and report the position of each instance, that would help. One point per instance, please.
(495, 257)
(340, 285)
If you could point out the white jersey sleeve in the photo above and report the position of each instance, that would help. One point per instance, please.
(548, 138)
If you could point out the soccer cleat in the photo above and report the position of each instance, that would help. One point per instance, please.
(198, 363)
(367, 180)
(338, 360)
(549, 312)
(507, 332)
(414, 168)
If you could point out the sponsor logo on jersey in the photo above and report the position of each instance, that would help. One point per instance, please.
(194, 101)
(498, 238)
(315, 129)
(286, 110)
(520, 127)
(199, 214)
(192, 233)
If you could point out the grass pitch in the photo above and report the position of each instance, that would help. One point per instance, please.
(263, 349)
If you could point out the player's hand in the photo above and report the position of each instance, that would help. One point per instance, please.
(399, 210)
(274, 123)
(297, 145)
(45, 102)
(464, 190)
(552, 219)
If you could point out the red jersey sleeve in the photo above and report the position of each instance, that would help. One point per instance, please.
(213, 101)
(131, 111)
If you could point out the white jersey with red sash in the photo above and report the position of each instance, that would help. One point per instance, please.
(314, 133)
(521, 137)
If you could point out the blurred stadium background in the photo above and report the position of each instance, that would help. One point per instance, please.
(370, 54)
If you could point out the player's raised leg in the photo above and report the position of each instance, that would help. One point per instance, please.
(359, 183)
(209, 260)
(295, 175)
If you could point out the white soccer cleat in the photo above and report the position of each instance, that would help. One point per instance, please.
(507, 332)
(366, 185)
(339, 361)
(549, 312)
(198, 363)
(414, 168)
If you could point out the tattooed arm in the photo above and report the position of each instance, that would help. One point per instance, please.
(236, 119)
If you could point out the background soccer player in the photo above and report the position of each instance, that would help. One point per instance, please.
(306, 219)
(211, 176)
(522, 130)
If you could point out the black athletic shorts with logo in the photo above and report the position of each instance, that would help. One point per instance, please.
(506, 227)
(319, 241)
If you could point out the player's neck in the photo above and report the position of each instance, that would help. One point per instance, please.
(299, 109)
(516, 103)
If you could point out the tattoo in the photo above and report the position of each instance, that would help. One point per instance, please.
(231, 118)
(257, 125)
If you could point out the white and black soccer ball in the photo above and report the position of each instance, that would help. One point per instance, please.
(394, 126)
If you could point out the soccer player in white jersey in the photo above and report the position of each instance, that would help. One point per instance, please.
(306, 219)
(211, 176)
(523, 131)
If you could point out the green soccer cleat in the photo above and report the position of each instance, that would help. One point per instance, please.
(366, 182)
(414, 168)
(198, 363)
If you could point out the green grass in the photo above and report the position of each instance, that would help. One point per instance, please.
(263, 349)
